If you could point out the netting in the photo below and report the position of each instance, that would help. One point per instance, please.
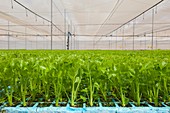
(84, 24)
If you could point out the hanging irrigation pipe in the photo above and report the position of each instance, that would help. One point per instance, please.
(82, 35)
(132, 19)
(111, 24)
(19, 33)
(118, 3)
(137, 24)
(126, 36)
(37, 15)
(22, 33)
(14, 36)
(8, 30)
(136, 17)
(17, 21)
(156, 31)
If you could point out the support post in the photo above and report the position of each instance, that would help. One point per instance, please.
(140, 44)
(65, 32)
(8, 35)
(123, 39)
(51, 24)
(116, 40)
(25, 38)
(152, 26)
(71, 35)
(109, 43)
(133, 35)
(156, 41)
(68, 40)
(93, 43)
(36, 41)
(145, 43)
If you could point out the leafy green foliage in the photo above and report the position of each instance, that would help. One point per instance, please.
(85, 76)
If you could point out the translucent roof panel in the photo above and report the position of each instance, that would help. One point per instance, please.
(91, 21)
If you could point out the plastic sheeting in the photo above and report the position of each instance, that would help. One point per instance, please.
(92, 23)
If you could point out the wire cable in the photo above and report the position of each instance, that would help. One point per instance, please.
(37, 15)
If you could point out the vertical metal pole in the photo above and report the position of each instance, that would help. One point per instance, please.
(43, 43)
(46, 44)
(36, 42)
(68, 38)
(25, 38)
(68, 41)
(78, 44)
(15, 44)
(140, 44)
(31, 44)
(74, 43)
(169, 44)
(145, 42)
(51, 24)
(116, 40)
(156, 44)
(109, 44)
(125, 43)
(71, 41)
(71, 36)
(152, 25)
(93, 43)
(123, 39)
(65, 34)
(156, 41)
(133, 35)
(74, 38)
(8, 35)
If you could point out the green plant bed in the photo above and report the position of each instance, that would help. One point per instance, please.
(84, 77)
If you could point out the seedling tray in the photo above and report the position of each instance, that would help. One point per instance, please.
(116, 108)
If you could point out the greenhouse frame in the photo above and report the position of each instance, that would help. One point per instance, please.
(113, 25)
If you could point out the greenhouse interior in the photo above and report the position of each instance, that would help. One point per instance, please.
(84, 56)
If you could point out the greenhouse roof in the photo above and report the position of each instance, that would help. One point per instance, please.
(86, 19)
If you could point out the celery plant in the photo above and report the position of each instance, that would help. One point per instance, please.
(58, 84)
(9, 93)
(75, 74)
(93, 85)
